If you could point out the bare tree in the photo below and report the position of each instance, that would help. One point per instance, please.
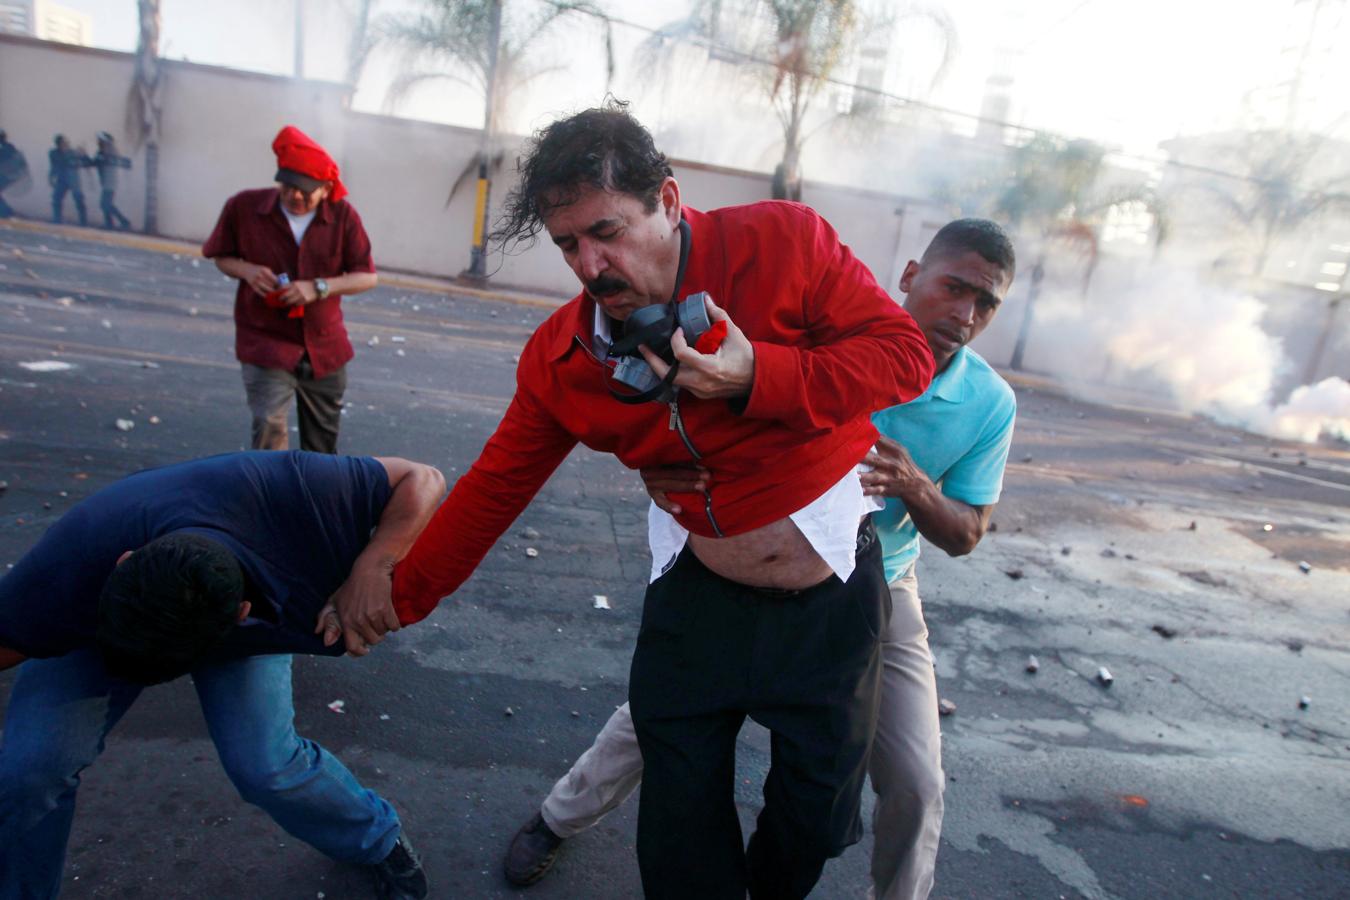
(490, 45)
(144, 105)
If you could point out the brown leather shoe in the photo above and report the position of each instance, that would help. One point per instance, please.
(532, 852)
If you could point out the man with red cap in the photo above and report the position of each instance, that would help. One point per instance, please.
(296, 249)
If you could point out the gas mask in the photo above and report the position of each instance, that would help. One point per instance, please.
(654, 326)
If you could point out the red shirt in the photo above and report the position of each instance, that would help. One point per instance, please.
(830, 347)
(253, 228)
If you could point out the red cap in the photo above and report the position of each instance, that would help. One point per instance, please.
(297, 154)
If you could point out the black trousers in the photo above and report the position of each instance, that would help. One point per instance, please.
(805, 665)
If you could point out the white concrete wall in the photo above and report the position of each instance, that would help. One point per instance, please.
(219, 123)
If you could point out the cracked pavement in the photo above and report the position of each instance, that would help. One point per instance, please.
(1194, 773)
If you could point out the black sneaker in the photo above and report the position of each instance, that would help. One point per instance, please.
(532, 852)
(400, 875)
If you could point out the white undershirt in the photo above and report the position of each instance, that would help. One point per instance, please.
(829, 523)
(299, 224)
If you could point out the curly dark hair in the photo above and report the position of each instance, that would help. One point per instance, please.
(167, 606)
(604, 147)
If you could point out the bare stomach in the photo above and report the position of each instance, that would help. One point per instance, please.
(775, 556)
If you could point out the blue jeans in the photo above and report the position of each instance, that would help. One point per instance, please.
(62, 709)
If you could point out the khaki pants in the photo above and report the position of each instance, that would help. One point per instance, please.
(905, 766)
(318, 406)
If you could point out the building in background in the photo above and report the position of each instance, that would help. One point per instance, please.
(47, 21)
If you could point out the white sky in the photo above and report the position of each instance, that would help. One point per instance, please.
(1125, 72)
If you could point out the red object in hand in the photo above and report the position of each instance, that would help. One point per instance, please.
(710, 340)
(273, 299)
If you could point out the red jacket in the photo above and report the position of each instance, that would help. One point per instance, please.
(830, 347)
(253, 228)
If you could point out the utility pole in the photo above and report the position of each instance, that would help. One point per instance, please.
(478, 252)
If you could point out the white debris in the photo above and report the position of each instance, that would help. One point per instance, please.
(384, 717)
(64, 301)
(1105, 677)
(1267, 527)
(337, 706)
(946, 707)
(1304, 702)
(1304, 567)
(509, 711)
(600, 601)
(530, 533)
(416, 308)
(399, 352)
(46, 365)
(531, 552)
(106, 323)
(374, 341)
(196, 263)
(1033, 664)
(154, 420)
(147, 364)
(124, 424)
(192, 310)
(399, 339)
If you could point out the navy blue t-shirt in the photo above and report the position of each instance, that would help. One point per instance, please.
(296, 522)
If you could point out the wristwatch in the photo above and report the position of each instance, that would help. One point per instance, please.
(321, 288)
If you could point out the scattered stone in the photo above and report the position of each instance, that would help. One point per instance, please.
(600, 601)
(1294, 646)
(1267, 527)
(1305, 567)
(46, 505)
(337, 706)
(384, 717)
(58, 493)
(493, 313)
(399, 339)
(1108, 553)
(1027, 458)
(374, 341)
(1065, 551)
(1164, 631)
(31, 274)
(46, 365)
(4, 486)
(1033, 664)
(531, 552)
(1304, 702)
(64, 301)
(509, 711)
(1105, 676)
(1014, 574)
(18, 253)
(192, 310)
(124, 424)
(529, 533)
(946, 707)
(400, 352)
(416, 308)
(993, 526)
(106, 323)
(1200, 576)
(1129, 556)
(154, 420)
(1193, 525)
(196, 263)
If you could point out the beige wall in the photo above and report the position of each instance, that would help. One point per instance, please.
(218, 127)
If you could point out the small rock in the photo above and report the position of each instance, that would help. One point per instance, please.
(1294, 646)
(124, 424)
(399, 339)
(946, 707)
(154, 420)
(509, 711)
(1033, 664)
(1105, 677)
(529, 533)
(147, 364)
(384, 717)
(1200, 576)
(374, 341)
(106, 323)
(1014, 574)
(196, 263)
(1304, 702)
(1164, 631)
(1108, 553)
(1065, 551)
(1267, 527)
(64, 301)
(192, 310)
(1027, 458)
(531, 552)
(576, 714)
(493, 313)
(400, 352)
(993, 526)
(46, 505)
(416, 308)
(1192, 525)
(337, 706)
(4, 486)
(1304, 567)
(600, 601)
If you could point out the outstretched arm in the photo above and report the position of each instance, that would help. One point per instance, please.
(362, 610)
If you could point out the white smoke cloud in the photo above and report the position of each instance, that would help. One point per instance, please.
(1199, 344)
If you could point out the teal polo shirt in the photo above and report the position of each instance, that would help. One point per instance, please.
(958, 432)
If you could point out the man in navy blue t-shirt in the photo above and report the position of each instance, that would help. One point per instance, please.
(220, 568)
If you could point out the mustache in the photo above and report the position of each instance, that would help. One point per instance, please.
(605, 285)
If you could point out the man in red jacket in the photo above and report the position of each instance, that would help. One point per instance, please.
(768, 594)
(296, 250)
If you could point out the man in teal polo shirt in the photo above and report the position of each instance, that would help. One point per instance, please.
(939, 465)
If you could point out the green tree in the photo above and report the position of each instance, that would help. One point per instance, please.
(490, 45)
(795, 47)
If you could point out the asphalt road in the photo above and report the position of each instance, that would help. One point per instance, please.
(1194, 774)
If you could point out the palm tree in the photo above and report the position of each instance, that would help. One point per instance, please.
(1054, 191)
(476, 42)
(144, 108)
(796, 45)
